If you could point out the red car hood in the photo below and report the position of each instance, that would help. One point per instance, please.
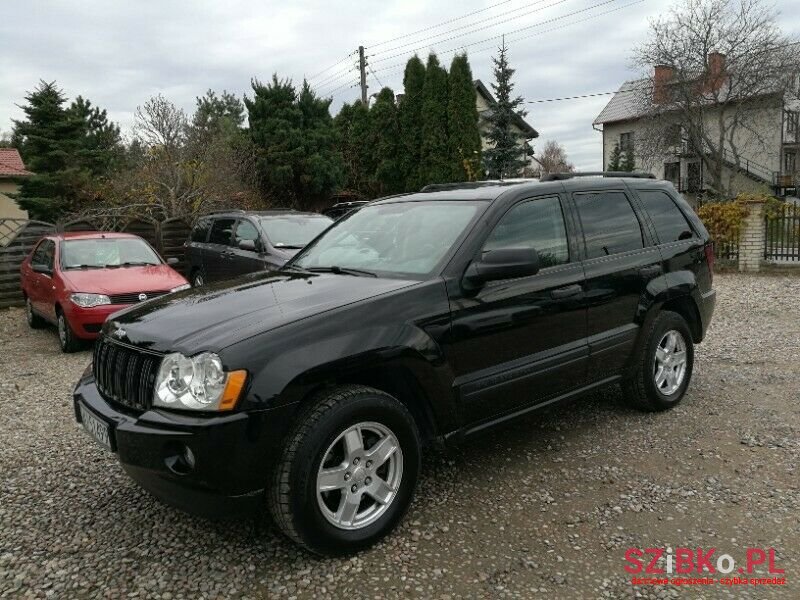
(123, 280)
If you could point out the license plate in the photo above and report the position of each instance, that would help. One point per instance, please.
(96, 428)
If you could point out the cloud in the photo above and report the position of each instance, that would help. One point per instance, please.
(118, 54)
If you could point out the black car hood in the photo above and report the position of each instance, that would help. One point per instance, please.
(213, 317)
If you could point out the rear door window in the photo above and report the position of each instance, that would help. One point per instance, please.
(200, 231)
(670, 224)
(222, 232)
(610, 225)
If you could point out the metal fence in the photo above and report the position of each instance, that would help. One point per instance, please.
(726, 251)
(782, 234)
(18, 237)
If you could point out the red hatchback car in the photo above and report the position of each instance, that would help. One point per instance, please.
(75, 280)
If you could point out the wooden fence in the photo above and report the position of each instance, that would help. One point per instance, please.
(19, 236)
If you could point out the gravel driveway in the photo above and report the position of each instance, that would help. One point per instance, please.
(546, 507)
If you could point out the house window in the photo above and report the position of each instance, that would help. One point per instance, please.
(673, 134)
(626, 141)
(789, 161)
(672, 172)
(792, 126)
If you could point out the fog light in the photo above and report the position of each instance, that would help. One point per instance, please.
(179, 458)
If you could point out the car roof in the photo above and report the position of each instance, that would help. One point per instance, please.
(491, 190)
(278, 212)
(89, 235)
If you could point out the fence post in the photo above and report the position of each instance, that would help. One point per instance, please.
(752, 236)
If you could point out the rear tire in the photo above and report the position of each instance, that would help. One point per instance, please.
(66, 336)
(665, 367)
(34, 320)
(351, 447)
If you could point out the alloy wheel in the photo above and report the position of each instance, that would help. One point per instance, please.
(359, 475)
(669, 364)
(62, 330)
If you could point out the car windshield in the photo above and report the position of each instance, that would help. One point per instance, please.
(402, 237)
(293, 231)
(107, 252)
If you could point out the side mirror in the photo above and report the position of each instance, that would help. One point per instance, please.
(172, 261)
(248, 245)
(503, 263)
(43, 269)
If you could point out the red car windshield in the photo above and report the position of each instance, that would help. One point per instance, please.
(104, 253)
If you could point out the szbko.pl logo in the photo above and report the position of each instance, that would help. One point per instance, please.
(696, 566)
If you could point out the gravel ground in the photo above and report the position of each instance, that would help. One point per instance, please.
(546, 507)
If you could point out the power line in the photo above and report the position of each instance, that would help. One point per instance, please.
(463, 47)
(332, 79)
(468, 25)
(347, 85)
(441, 24)
(545, 22)
(336, 64)
(375, 76)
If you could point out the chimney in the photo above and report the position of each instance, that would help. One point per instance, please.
(663, 75)
(715, 71)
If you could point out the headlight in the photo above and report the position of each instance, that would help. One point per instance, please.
(180, 288)
(197, 383)
(89, 300)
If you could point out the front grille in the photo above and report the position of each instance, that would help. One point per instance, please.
(125, 374)
(133, 297)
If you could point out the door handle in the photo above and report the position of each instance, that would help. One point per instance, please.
(651, 271)
(566, 292)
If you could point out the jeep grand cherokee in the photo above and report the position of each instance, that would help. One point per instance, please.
(418, 319)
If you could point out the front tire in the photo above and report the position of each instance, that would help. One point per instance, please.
(197, 279)
(665, 369)
(66, 337)
(348, 471)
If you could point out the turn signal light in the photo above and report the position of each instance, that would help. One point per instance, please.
(233, 389)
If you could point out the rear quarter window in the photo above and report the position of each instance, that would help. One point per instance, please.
(610, 225)
(670, 223)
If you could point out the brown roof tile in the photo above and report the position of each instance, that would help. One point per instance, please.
(11, 164)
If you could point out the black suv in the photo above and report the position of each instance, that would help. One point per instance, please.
(418, 319)
(228, 244)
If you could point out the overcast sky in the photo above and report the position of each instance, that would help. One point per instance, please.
(118, 54)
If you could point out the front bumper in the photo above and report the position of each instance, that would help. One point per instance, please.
(231, 454)
(87, 322)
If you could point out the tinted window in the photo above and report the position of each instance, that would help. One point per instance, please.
(609, 224)
(670, 223)
(537, 224)
(200, 231)
(221, 232)
(245, 230)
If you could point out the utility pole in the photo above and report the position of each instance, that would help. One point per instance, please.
(362, 66)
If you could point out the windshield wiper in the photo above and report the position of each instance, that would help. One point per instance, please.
(139, 263)
(342, 271)
(84, 267)
(288, 247)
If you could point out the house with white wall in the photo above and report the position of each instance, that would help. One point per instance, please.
(12, 170)
(763, 155)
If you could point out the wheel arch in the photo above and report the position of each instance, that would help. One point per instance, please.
(686, 307)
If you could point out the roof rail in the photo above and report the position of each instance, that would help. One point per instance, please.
(226, 210)
(469, 185)
(562, 176)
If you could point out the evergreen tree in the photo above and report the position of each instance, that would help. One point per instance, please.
(504, 157)
(628, 160)
(410, 120)
(616, 158)
(434, 164)
(385, 137)
(49, 140)
(354, 133)
(297, 159)
(321, 170)
(101, 149)
(464, 138)
(216, 115)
